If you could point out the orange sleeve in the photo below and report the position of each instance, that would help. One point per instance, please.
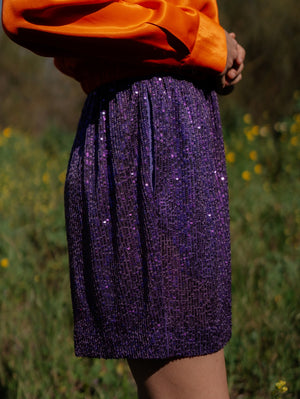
(171, 32)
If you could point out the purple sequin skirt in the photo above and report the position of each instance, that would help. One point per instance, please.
(147, 219)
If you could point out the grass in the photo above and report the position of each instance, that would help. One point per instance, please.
(36, 342)
(264, 176)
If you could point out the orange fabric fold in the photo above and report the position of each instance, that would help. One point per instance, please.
(113, 39)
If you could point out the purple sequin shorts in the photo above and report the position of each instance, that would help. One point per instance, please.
(146, 202)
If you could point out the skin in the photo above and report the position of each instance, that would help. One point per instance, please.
(199, 377)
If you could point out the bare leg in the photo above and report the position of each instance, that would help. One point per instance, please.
(200, 377)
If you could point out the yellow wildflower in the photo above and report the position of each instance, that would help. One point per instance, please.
(258, 169)
(120, 369)
(297, 118)
(251, 132)
(295, 128)
(249, 136)
(230, 157)
(294, 141)
(7, 132)
(36, 278)
(253, 155)
(255, 130)
(248, 133)
(278, 298)
(246, 175)
(247, 119)
(62, 177)
(4, 262)
(281, 386)
(46, 178)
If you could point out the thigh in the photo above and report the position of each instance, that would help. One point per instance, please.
(199, 377)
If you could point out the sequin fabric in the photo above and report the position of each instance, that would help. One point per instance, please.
(147, 220)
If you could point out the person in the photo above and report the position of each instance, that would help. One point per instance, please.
(146, 197)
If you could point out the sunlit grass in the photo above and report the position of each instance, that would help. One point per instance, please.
(264, 178)
(36, 343)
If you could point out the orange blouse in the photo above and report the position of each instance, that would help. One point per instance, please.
(97, 41)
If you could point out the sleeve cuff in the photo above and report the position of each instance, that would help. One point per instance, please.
(210, 48)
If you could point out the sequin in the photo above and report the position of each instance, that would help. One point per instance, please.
(147, 222)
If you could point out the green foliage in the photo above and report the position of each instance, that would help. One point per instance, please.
(270, 33)
(264, 178)
(269, 30)
(36, 342)
(263, 152)
(33, 93)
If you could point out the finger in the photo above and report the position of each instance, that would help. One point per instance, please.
(234, 72)
(240, 68)
(241, 55)
(236, 80)
(232, 56)
(231, 74)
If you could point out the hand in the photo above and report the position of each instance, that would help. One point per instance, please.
(232, 73)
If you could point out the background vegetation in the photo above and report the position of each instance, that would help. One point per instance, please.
(39, 108)
(269, 31)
